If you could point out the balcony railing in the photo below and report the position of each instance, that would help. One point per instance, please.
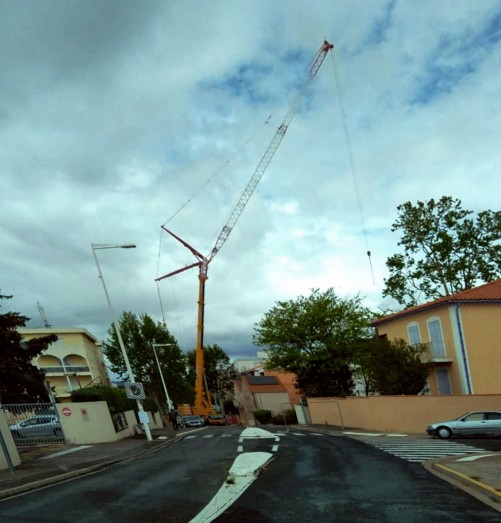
(78, 369)
(428, 354)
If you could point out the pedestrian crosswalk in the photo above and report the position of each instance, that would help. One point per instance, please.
(419, 449)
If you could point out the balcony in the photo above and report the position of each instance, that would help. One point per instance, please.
(428, 354)
(62, 369)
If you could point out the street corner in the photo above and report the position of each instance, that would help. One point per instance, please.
(478, 475)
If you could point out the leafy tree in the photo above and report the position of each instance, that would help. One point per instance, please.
(20, 381)
(446, 250)
(219, 370)
(139, 334)
(392, 367)
(310, 336)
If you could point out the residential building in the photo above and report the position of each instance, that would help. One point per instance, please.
(260, 393)
(74, 361)
(463, 336)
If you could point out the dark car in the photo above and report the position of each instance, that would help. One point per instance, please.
(480, 423)
(38, 427)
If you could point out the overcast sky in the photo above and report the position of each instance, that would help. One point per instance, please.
(119, 116)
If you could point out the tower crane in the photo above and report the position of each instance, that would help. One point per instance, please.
(202, 402)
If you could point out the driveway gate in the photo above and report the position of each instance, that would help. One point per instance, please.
(34, 423)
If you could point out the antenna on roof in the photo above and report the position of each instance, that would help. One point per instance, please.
(43, 316)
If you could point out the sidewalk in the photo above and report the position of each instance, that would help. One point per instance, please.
(41, 466)
(479, 475)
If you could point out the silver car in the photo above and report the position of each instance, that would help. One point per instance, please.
(192, 421)
(481, 423)
(39, 427)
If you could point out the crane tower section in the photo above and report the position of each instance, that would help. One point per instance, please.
(202, 398)
(313, 69)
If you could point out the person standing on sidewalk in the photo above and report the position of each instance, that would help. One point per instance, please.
(173, 419)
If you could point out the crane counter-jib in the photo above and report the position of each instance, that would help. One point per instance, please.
(202, 398)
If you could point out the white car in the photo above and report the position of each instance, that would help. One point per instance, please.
(44, 426)
(481, 423)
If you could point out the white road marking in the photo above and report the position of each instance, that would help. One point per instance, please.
(256, 433)
(473, 458)
(190, 437)
(363, 433)
(162, 437)
(209, 436)
(274, 448)
(419, 450)
(240, 448)
(396, 435)
(298, 434)
(226, 435)
(68, 451)
(317, 434)
(242, 474)
(240, 440)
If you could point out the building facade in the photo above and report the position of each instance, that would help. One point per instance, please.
(463, 335)
(74, 361)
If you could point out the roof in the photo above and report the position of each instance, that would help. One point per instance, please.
(484, 294)
(263, 384)
(44, 331)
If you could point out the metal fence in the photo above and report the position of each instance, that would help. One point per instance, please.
(34, 423)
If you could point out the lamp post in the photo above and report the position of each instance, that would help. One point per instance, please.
(95, 247)
(154, 345)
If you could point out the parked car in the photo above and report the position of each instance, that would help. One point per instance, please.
(37, 427)
(192, 421)
(217, 419)
(483, 423)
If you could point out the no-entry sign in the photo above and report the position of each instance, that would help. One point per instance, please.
(66, 411)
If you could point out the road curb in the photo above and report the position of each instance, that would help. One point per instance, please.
(474, 487)
(65, 476)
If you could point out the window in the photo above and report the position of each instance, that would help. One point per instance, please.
(436, 339)
(493, 415)
(413, 333)
(443, 381)
(476, 416)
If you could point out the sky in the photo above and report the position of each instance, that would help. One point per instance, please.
(118, 117)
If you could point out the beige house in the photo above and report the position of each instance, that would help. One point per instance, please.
(74, 361)
(260, 393)
(463, 335)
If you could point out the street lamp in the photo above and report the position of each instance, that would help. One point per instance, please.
(95, 247)
(169, 403)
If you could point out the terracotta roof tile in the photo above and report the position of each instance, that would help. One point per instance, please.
(486, 293)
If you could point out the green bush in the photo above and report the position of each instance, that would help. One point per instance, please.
(287, 416)
(262, 416)
(115, 398)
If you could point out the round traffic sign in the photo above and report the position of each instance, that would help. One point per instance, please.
(66, 411)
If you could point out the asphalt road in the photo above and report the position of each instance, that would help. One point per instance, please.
(312, 478)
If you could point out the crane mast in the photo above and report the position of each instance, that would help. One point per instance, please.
(202, 402)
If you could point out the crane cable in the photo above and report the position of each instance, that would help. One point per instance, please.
(352, 161)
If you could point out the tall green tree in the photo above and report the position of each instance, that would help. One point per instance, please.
(311, 337)
(139, 333)
(391, 367)
(446, 249)
(219, 371)
(20, 381)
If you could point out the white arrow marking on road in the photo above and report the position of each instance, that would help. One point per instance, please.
(242, 474)
(254, 432)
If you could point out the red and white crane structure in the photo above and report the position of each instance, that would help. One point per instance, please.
(202, 402)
